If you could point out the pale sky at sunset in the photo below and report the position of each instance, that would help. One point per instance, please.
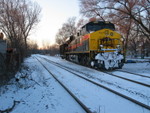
(54, 14)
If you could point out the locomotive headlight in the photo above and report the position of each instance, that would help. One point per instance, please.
(118, 46)
(101, 46)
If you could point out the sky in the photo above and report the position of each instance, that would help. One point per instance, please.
(54, 13)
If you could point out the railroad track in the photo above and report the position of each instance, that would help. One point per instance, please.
(75, 72)
(134, 73)
(118, 76)
(72, 95)
(128, 79)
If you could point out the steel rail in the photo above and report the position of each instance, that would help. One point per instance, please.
(100, 85)
(141, 83)
(133, 73)
(134, 81)
(76, 99)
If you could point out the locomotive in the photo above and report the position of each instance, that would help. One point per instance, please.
(97, 45)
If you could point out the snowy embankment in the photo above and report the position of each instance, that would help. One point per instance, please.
(37, 92)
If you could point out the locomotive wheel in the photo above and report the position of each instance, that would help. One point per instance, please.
(87, 61)
(67, 57)
(79, 59)
(83, 61)
(120, 65)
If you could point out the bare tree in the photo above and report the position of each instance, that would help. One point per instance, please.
(54, 50)
(18, 18)
(81, 22)
(67, 30)
(45, 45)
(137, 10)
(134, 42)
(92, 8)
(29, 13)
(60, 39)
(33, 47)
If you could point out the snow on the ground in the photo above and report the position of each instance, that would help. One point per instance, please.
(37, 92)
(140, 68)
(95, 98)
(138, 92)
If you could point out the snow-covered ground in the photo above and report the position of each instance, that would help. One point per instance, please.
(140, 68)
(38, 92)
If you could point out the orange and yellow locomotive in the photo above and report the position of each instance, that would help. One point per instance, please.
(97, 44)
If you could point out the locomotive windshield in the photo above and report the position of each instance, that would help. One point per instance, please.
(95, 26)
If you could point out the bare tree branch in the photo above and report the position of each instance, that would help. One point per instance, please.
(18, 18)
